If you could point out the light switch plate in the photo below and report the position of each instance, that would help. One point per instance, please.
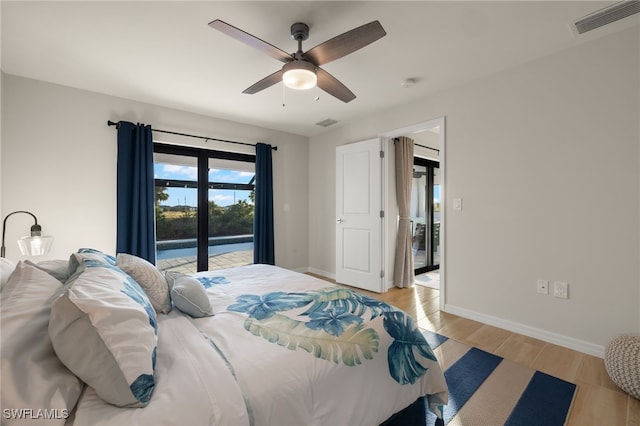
(543, 286)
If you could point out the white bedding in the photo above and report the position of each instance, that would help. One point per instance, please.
(260, 361)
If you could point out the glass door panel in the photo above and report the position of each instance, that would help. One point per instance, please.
(231, 209)
(425, 215)
(436, 216)
(176, 195)
(418, 216)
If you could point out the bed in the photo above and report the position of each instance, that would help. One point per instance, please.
(86, 343)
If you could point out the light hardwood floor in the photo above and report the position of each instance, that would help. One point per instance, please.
(598, 401)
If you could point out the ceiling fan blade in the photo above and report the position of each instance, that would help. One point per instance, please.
(251, 40)
(346, 43)
(268, 81)
(332, 86)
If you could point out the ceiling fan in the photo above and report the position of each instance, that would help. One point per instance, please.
(302, 70)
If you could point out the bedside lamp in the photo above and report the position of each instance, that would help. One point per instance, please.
(34, 245)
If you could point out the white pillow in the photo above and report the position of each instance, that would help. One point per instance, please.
(59, 269)
(6, 268)
(150, 279)
(104, 329)
(32, 375)
(189, 295)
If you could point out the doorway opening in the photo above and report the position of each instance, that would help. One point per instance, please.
(429, 144)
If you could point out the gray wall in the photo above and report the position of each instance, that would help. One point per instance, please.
(546, 159)
(59, 162)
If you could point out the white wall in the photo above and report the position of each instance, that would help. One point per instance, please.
(59, 162)
(546, 158)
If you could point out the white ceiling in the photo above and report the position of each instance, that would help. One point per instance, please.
(164, 53)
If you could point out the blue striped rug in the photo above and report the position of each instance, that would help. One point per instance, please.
(487, 390)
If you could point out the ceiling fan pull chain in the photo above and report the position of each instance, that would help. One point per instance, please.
(283, 92)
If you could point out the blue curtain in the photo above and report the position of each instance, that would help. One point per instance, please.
(263, 241)
(135, 192)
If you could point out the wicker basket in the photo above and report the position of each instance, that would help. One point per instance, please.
(622, 361)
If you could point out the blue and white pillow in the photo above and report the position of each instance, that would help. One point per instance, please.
(92, 255)
(104, 329)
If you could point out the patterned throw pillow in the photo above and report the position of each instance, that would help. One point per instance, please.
(103, 328)
(189, 295)
(150, 279)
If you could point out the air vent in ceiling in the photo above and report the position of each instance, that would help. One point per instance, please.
(327, 122)
(606, 16)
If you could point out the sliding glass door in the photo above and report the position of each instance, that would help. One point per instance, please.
(425, 215)
(204, 208)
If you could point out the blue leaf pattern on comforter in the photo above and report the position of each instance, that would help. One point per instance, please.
(207, 282)
(336, 311)
(333, 321)
(263, 307)
(403, 365)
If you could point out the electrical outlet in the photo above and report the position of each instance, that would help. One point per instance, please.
(543, 286)
(561, 289)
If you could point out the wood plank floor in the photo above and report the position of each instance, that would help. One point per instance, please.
(598, 401)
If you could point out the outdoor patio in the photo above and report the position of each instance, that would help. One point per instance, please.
(187, 265)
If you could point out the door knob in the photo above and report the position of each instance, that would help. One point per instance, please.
(340, 220)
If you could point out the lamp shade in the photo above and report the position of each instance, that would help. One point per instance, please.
(35, 246)
(299, 75)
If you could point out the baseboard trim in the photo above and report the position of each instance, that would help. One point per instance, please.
(536, 333)
(321, 272)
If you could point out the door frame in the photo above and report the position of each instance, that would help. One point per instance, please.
(407, 131)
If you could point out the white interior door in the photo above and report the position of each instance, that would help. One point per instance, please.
(359, 222)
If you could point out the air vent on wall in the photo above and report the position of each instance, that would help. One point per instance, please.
(606, 16)
(327, 122)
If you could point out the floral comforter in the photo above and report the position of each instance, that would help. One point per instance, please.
(306, 352)
(284, 348)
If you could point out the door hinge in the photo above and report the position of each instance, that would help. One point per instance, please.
(381, 213)
(381, 154)
(381, 274)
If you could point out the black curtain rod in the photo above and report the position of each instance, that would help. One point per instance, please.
(421, 146)
(427, 147)
(275, 148)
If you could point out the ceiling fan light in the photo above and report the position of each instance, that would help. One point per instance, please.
(299, 75)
